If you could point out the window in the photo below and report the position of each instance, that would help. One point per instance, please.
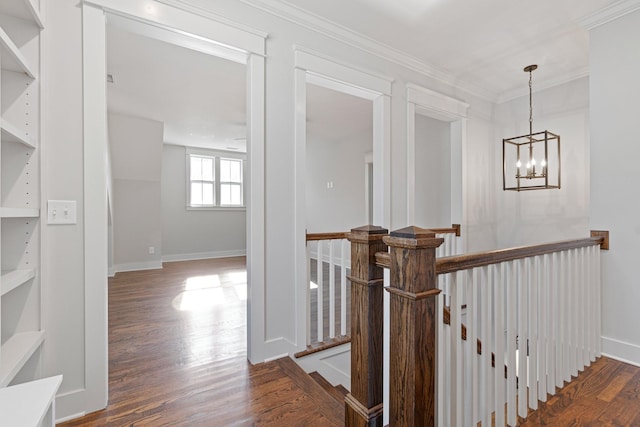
(214, 181)
(202, 181)
(230, 182)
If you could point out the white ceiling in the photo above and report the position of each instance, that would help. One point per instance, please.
(200, 98)
(480, 46)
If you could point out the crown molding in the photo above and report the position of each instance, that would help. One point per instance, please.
(609, 13)
(547, 84)
(209, 14)
(318, 24)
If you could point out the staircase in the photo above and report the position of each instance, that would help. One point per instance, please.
(328, 400)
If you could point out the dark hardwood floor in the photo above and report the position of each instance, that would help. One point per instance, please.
(606, 394)
(177, 356)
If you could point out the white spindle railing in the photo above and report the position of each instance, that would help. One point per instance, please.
(538, 316)
(326, 253)
(328, 322)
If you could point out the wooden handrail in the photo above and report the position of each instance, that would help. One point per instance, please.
(327, 236)
(480, 259)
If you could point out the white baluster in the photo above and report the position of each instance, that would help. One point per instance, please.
(573, 312)
(332, 292)
(441, 359)
(566, 316)
(343, 286)
(472, 340)
(498, 313)
(533, 334)
(598, 302)
(511, 305)
(456, 353)
(552, 323)
(485, 358)
(308, 286)
(543, 316)
(320, 293)
(523, 280)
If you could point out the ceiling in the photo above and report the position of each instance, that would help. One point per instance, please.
(480, 46)
(200, 98)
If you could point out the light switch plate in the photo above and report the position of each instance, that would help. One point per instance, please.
(61, 212)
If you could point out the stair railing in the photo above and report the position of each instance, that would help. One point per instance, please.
(328, 295)
(519, 323)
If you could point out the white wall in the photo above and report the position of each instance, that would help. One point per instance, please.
(193, 234)
(532, 217)
(63, 247)
(433, 173)
(136, 161)
(342, 163)
(615, 205)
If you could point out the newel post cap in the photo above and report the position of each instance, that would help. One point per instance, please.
(413, 237)
(367, 233)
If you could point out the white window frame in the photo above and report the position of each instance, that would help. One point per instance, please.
(216, 155)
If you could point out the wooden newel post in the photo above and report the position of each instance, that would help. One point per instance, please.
(412, 327)
(363, 406)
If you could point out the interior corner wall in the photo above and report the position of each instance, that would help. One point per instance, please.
(136, 161)
(194, 234)
(615, 205)
(539, 216)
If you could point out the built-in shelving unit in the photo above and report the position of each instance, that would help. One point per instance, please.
(30, 404)
(11, 279)
(21, 331)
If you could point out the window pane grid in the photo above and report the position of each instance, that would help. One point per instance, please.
(208, 190)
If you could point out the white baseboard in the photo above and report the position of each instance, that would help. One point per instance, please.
(204, 255)
(70, 405)
(135, 266)
(620, 350)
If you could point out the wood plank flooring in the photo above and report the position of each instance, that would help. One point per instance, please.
(606, 394)
(177, 356)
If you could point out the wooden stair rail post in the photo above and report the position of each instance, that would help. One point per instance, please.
(412, 327)
(363, 406)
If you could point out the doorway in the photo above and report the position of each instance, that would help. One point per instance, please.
(228, 41)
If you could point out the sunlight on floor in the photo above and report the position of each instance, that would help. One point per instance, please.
(205, 292)
(200, 293)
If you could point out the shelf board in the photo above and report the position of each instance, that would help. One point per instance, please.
(11, 279)
(10, 133)
(27, 404)
(11, 58)
(19, 212)
(16, 352)
(23, 9)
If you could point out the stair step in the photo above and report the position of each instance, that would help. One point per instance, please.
(338, 392)
(331, 408)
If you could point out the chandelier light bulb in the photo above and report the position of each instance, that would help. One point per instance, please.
(543, 163)
(518, 163)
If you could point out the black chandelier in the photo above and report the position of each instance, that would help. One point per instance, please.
(531, 162)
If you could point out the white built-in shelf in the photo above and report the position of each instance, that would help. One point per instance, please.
(10, 56)
(23, 9)
(10, 133)
(11, 279)
(19, 212)
(29, 404)
(16, 352)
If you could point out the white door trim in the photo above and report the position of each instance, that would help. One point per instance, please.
(436, 105)
(324, 71)
(229, 38)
